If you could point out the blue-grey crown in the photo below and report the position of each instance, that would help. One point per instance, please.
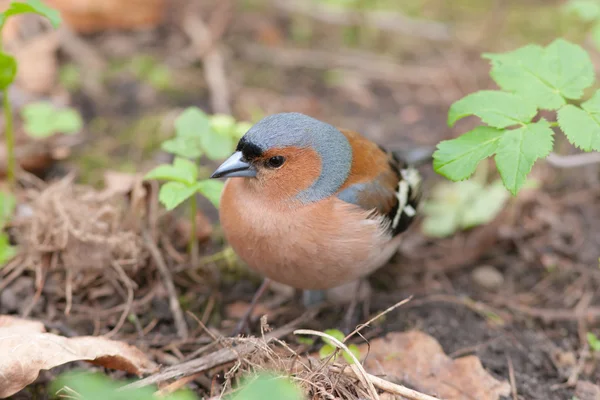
(299, 130)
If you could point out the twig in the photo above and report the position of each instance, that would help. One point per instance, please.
(361, 370)
(180, 325)
(574, 160)
(178, 384)
(381, 314)
(387, 386)
(511, 377)
(384, 20)
(369, 65)
(212, 58)
(130, 296)
(220, 357)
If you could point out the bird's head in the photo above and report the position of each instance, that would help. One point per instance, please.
(292, 156)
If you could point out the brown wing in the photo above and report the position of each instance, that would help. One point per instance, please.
(379, 181)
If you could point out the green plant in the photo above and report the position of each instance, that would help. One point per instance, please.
(95, 386)
(329, 348)
(531, 78)
(43, 119)
(589, 12)
(7, 208)
(267, 386)
(8, 72)
(593, 341)
(196, 135)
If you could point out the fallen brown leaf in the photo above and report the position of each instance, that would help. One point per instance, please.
(585, 390)
(418, 360)
(87, 16)
(27, 349)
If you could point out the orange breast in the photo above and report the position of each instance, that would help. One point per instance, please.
(315, 246)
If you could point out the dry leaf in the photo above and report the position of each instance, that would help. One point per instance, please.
(417, 359)
(27, 349)
(87, 16)
(587, 391)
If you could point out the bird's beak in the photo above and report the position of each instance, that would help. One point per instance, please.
(234, 166)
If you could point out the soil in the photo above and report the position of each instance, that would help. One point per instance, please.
(544, 245)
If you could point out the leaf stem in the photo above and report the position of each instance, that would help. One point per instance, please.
(10, 138)
(193, 243)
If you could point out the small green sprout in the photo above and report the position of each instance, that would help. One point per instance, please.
(8, 72)
(593, 341)
(7, 207)
(43, 119)
(329, 348)
(196, 135)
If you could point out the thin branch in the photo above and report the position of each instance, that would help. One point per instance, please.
(387, 386)
(182, 329)
(574, 160)
(371, 66)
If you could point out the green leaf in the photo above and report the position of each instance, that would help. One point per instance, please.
(172, 194)
(326, 351)
(519, 149)
(582, 125)
(8, 203)
(216, 146)
(335, 333)
(495, 108)
(8, 70)
(182, 147)
(485, 206)
(182, 170)
(7, 251)
(457, 159)
(267, 386)
(306, 341)
(354, 350)
(462, 205)
(43, 119)
(192, 122)
(31, 6)
(587, 10)
(241, 128)
(544, 76)
(222, 124)
(211, 189)
(593, 341)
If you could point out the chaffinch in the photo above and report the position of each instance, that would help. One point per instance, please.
(313, 206)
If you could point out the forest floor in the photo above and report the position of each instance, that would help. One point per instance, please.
(520, 293)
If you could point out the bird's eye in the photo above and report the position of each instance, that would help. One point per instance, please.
(275, 162)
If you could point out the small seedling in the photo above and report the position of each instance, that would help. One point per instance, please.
(329, 348)
(196, 135)
(43, 119)
(8, 72)
(7, 208)
(593, 341)
(531, 78)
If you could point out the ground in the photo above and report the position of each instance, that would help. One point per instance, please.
(393, 87)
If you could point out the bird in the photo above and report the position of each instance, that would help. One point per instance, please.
(314, 206)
